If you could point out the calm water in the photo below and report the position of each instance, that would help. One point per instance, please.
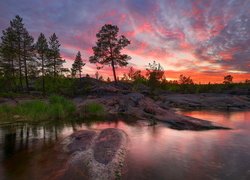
(29, 151)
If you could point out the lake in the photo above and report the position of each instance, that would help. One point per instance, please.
(28, 151)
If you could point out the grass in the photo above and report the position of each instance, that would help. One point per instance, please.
(37, 110)
(94, 108)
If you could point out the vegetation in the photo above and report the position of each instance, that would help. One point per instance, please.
(155, 73)
(94, 108)
(108, 48)
(77, 66)
(57, 108)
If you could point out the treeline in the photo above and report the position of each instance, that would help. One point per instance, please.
(28, 65)
(23, 60)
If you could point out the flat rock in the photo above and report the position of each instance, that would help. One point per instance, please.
(81, 140)
(95, 155)
(106, 145)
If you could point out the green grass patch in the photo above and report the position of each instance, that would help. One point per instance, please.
(94, 108)
(37, 110)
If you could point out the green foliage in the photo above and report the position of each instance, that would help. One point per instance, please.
(77, 65)
(155, 73)
(37, 110)
(58, 85)
(94, 108)
(108, 48)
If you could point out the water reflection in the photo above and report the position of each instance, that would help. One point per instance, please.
(155, 152)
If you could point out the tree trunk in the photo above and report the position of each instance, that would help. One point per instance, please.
(54, 67)
(43, 76)
(113, 68)
(13, 74)
(20, 65)
(26, 75)
(26, 70)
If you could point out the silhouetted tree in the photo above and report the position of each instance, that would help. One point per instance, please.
(97, 75)
(108, 48)
(8, 53)
(185, 80)
(77, 65)
(56, 62)
(28, 54)
(17, 28)
(228, 79)
(42, 51)
(108, 79)
(134, 74)
(155, 73)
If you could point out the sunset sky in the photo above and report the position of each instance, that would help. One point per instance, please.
(204, 39)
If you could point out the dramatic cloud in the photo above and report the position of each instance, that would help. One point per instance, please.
(204, 39)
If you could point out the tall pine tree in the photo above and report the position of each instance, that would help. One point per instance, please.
(17, 27)
(42, 50)
(77, 65)
(28, 54)
(8, 54)
(56, 62)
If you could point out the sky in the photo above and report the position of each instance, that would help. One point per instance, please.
(204, 39)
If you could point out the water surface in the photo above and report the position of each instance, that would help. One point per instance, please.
(28, 151)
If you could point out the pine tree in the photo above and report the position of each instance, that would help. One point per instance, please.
(17, 28)
(28, 54)
(42, 50)
(108, 48)
(77, 65)
(54, 56)
(8, 53)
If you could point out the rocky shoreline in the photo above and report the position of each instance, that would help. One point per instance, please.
(141, 107)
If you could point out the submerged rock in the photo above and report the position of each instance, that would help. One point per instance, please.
(95, 155)
(106, 145)
(81, 140)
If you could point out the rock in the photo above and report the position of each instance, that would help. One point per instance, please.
(142, 107)
(106, 145)
(80, 141)
(96, 155)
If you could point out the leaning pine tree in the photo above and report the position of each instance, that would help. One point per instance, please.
(77, 65)
(108, 48)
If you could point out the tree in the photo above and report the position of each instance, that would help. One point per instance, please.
(42, 51)
(228, 79)
(185, 80)
(155, 73)
(28, 54)
(17, 28)
(77, 65)
(54, 55)
(8, 54)
(108, 48)
(17, 51)
(134, 74)
(97, 75)
(108, 79)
